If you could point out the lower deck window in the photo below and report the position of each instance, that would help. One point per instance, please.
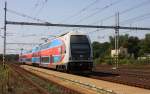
(45, 59)
(28, 60)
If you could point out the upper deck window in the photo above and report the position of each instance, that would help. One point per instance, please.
(79, 39)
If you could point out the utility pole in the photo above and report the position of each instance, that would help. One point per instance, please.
(117, 41)
(4, 49)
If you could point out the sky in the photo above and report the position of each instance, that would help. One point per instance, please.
(87, 12)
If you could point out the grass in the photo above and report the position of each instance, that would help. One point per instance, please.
(50, 87)
(4, 78)
(12, 83)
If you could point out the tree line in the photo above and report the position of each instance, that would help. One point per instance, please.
(136, 47)
(10, 57)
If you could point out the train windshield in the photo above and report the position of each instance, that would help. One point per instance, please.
(80, 47)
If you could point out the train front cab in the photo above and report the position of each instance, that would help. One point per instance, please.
(80, 53)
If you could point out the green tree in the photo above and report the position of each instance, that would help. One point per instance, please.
(133, 46)
(123, 41)
(144, 45)
(10, 57)
(147, 43)
(100, 49)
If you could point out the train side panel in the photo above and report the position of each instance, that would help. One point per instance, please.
(54, 54)
(72, 51)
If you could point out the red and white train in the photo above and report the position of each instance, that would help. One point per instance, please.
(70, 52)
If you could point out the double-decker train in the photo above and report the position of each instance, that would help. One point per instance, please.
(69, 52)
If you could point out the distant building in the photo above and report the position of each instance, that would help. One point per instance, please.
(121, 51)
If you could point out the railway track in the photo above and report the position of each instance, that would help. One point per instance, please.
(128, 77)
(132, 78)
(89, 83)
(82, 87)
(27, 75)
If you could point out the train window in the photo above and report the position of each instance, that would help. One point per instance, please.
(28, 60)
(45, 59)
(79, 39)
(80, 46)
(56, 59)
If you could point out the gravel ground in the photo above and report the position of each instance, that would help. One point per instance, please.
(135, 75)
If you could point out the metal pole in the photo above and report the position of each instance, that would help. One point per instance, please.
(117, 41)
(116, 45)
(117, 29)
(115, 48)
(4, 49)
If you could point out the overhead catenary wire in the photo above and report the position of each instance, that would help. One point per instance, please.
(43, 4)
(138, 18)
(99, 10)
(81, 11)
(131, 20)
(36, 4)
(147, 2)
(26, 16)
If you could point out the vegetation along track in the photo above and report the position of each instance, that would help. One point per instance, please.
(43, 85)
(13, 81)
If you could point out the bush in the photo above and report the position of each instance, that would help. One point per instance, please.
(109, 61)
(124, 61)
(97, 61)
